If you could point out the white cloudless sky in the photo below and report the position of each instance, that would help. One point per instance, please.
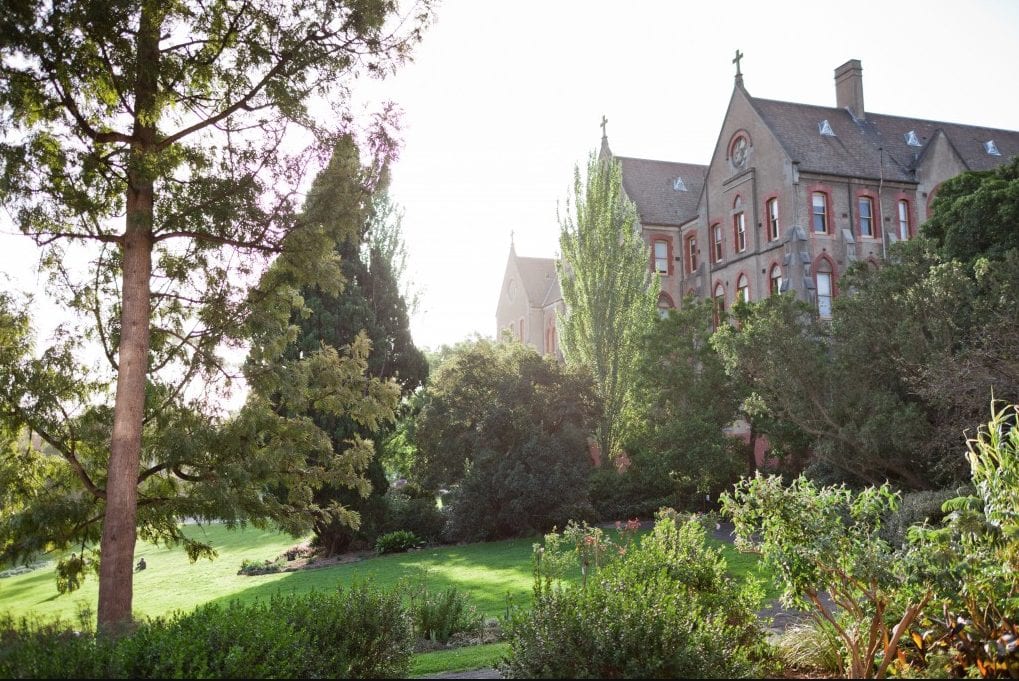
(504, 98)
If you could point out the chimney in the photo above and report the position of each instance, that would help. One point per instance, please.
(849, 87)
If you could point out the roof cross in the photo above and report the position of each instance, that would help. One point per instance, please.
(739, 55)
(604, 122)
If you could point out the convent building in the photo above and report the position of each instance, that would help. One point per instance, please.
(792, 196)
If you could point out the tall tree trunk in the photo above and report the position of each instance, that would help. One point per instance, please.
(116, 565)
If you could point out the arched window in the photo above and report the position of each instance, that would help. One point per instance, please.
(739, 225)
(742, 289)
(691, 254)
(521, 337)
(819, 212)
(664, 305)
(771, 210)
(719, 303)
(824, 278)
(775, 280)
(550, 337)
(905, 228)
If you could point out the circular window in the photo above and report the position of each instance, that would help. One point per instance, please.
(739, 152)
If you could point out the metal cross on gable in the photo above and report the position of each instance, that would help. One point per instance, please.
(739, 55)
(604, 122)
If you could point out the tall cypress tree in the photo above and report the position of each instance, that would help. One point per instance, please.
(371, 302)
(608, 289)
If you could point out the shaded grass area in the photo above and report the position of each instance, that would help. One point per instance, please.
(459, 659)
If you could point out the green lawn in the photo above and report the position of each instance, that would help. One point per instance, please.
(459, 659)
(489, 571)
(170, 582)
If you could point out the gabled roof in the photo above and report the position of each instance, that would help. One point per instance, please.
(537, 275)
(857, 147)
(651, 185)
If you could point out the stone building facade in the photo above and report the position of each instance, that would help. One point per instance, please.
(793, 195)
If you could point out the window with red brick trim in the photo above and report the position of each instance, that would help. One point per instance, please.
(771, 215)
(716, 245)
(742, 289)
(865, 211)
(718, 300)
(775, 280)
(691, 254)
(905, 228)
(661, 256)
(739, 225)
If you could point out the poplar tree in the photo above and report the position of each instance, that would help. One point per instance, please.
(610, 294)
(154, 139)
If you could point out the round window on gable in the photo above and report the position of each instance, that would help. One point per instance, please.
(739, 149)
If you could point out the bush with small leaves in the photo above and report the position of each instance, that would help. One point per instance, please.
(397, 542)
(439, 616)
(664, 608)
(360, 632)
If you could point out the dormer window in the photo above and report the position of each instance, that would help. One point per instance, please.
(678, 185)
(911, 139)
(991, 148)
(824, 127)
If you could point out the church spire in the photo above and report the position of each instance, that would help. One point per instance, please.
(605, 151)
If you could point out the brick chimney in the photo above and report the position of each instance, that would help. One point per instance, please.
(849, 87)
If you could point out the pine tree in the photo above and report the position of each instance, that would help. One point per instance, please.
(370, 303)
(609, 291)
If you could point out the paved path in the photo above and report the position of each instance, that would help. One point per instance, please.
(781, 617)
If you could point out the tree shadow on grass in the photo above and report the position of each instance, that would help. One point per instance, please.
(488, 571)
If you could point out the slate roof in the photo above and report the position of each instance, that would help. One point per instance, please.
(538, 276)
(649, 184)
(854, 150)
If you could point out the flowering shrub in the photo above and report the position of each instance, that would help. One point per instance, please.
(663, 607)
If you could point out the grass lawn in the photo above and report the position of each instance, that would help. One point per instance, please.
(489, 571)
(459, 659)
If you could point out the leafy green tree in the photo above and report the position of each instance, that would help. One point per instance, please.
(881, 392)
(687, 403)
(973, 559)
(369, 303)
(506, 430)
(174, 122)
(827, 541)
(976, 214)
(610, 294)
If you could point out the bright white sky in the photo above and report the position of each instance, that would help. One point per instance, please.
(505, 97)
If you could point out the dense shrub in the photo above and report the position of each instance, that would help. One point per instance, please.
(506, 430)
(360, 632)
(261, 567)
(397, 542)
(439, 616)
(31, 648)
(415, 511)
(665, 608)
